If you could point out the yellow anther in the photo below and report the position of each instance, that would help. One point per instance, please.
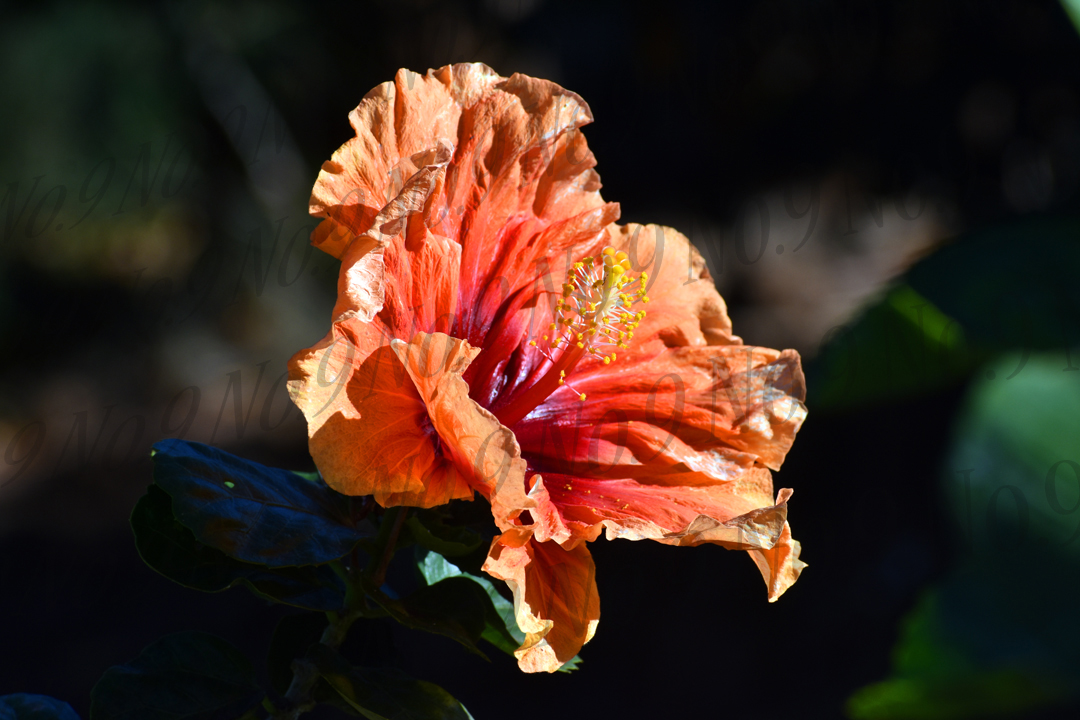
(581, 345)
(613, 357)
(607, 360)
(592, 331)
(551, 326)
(545, 337)
(644, 298)
(581, 397)
(578, 265)
(562, 373)
(644, 277)
(533, 342)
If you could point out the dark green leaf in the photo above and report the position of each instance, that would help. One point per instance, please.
(186, 676)
(501, 628)
(172, 550)
(384, 694)
(430, 532)
(897, 348)
(22, 706)
(263, 515)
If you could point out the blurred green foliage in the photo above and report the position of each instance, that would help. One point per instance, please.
(985, 293)
(999, 634)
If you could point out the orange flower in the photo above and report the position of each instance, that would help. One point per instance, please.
(495, 331)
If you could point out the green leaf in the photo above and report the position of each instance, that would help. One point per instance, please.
(172, 550)
(23, 706)
(268, 517)
(385, 694)
(501, 628)
(431, 533)
(185, 676)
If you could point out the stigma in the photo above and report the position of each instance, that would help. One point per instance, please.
(595, 311)
(594, 316)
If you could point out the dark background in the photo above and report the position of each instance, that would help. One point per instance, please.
(156, 164)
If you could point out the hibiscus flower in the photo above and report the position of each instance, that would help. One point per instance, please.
(496, 332)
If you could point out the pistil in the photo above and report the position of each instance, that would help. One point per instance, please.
(593, 317)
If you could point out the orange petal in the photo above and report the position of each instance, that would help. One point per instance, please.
(368, 427)
(399, 268)
(779, 565)
(555, 598)
(394, 122)
(708, 410)
(738, 515)
(485, 452)
(523, 181)
(684, 307)
(494, 165)
(638, 510)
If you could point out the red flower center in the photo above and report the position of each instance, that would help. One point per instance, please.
(592, 318)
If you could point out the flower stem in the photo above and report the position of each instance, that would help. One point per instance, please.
(394, 519)
(305, 674)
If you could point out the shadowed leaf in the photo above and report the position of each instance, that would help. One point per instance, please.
(172, 550)
(254, 513)
(385, 694)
